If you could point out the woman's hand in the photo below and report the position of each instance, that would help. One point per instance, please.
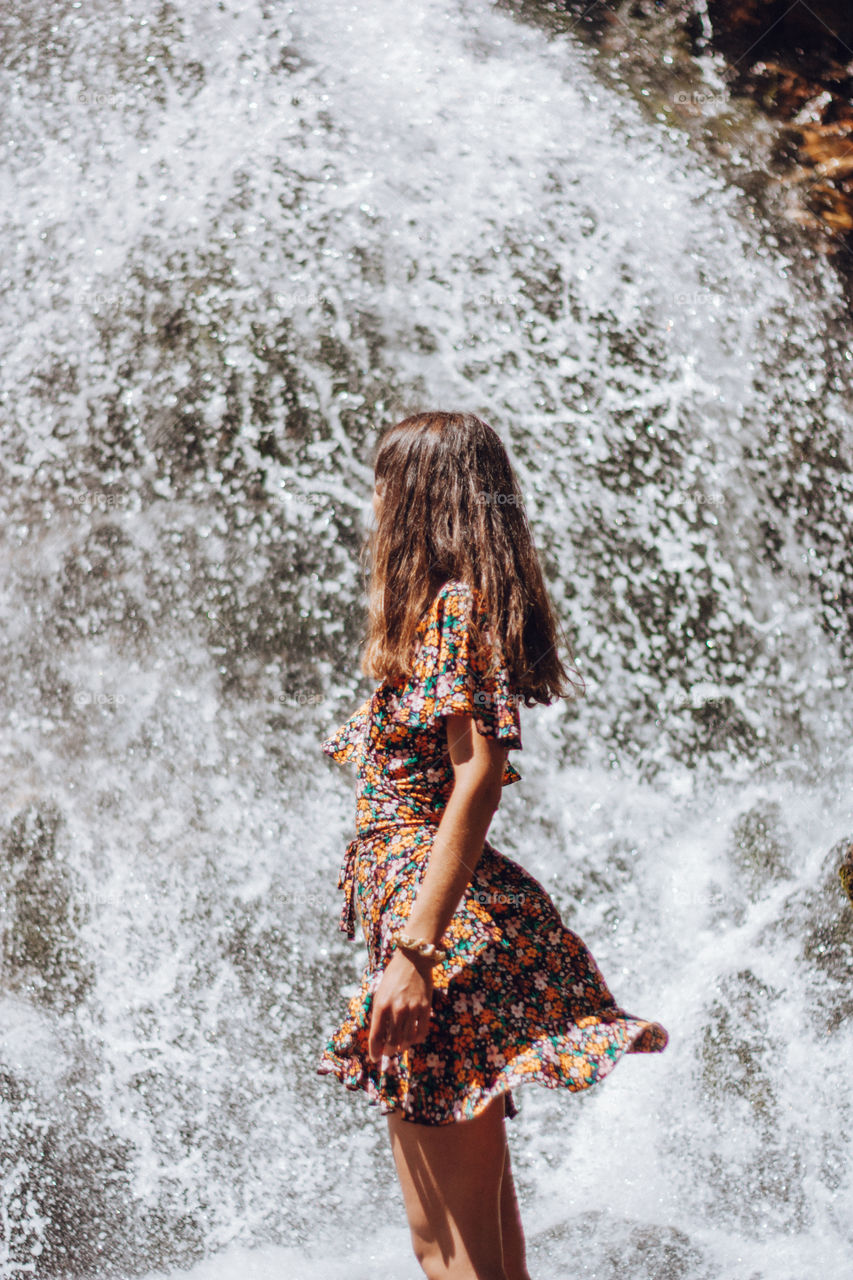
(401, 1006)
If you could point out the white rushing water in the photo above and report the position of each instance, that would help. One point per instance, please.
(238, 240)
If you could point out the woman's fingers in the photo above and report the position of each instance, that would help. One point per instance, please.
(378, 1032)
(401, 1008)
(422, 1029)
(417, 1028)
(413, 1029)
(392, 1031)
(407, 1033)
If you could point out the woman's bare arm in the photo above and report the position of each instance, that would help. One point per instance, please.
(478, 766)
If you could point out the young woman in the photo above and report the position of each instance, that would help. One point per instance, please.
(473, 983)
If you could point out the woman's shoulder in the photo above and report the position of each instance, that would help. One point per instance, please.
(455, 675)
(452, 607)
(457, 623)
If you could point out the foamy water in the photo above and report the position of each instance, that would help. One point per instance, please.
(237, 245)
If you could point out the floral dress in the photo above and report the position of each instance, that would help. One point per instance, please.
(519, 996)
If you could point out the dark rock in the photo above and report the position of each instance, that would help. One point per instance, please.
(845, 871)
(793, 62)
(796, 61)
(44, 910)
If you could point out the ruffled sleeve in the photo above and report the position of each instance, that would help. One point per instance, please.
(449, 680)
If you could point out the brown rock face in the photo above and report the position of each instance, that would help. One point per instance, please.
(822, 29)
(846, 873)
(797, 60)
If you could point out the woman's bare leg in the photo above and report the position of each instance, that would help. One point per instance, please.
(451, 1176)
(512, 1233)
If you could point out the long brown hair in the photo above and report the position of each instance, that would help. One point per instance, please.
(452, 509)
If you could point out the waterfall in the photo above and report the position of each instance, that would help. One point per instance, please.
(239, 239)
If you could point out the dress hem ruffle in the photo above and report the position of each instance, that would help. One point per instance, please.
(643, 1036)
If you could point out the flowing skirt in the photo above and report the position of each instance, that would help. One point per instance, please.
(518, 998)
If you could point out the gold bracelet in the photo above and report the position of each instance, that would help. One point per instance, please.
(428, 950)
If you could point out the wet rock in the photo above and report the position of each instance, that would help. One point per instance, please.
(792, 63)
(762, 848)
(845, 871)
(603, 1247)
(818, 918)
(817, 30)
(43, 911)
(66, 1200)
(758, 1182)
(796, 61)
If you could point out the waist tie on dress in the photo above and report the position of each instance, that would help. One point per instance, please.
(346, 881)
(349, 867)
